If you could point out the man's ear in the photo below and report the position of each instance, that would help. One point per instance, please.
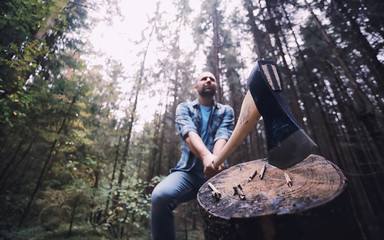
(195, 87)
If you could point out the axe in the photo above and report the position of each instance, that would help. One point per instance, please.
(287, 142)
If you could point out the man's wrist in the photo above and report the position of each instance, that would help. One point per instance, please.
(206, 159)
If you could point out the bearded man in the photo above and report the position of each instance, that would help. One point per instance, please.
(204, 127)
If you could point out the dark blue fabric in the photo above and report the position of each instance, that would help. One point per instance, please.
(188, 118)
(176, 188)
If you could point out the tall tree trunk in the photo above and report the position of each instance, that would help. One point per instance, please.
(174, 139)
(161, 141)
(113, 174)
(4, 141)
(9, 141)
(16, 167)
(12, 160)
(370, 9)
(171, 149)
(375, 66)
(175, 102)
(139, 80)
(73, 215)
(255, 31)
(155, 149)
(366, 111)
(47, 160)
(161, 133)
(216, 51)
(275, 29)
(267, 42)
(366, 182)
(126, 149)
(307, 76)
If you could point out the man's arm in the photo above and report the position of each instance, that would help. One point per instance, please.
(188, 131)
(198, 148)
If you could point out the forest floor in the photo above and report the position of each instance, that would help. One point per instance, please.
(188, 226)
(188, 222)
(86, 232)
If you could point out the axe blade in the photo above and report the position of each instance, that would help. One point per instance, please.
(287, 142)
(292, 150)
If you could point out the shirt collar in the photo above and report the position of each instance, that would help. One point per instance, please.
(195, 103)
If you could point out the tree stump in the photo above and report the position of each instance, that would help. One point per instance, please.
(249, 205)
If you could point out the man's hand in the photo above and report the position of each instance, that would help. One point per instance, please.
(209, 168)
(199, 149)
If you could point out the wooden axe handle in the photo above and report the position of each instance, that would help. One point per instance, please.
(249, 116)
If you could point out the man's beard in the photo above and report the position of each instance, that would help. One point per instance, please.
(207, 93)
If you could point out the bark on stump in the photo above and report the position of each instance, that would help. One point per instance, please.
(315, 182)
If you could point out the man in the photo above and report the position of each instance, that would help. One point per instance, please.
(204, 126)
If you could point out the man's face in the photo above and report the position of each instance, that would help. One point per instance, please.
(206, 86)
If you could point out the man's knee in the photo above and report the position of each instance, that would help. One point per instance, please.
(156, 196)
(161, 199)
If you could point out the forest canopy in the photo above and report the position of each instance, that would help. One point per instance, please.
(79, 153)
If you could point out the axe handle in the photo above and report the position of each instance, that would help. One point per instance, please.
(249, 116)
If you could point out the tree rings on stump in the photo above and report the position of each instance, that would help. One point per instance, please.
(311, 183)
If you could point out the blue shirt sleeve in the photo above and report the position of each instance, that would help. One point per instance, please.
(227, 124)
(184, 120)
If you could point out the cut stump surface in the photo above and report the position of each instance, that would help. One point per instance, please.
(315, 181)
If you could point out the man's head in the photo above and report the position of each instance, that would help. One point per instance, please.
(205, 85)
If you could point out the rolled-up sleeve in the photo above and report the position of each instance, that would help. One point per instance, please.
(184, 120)
(227, 124)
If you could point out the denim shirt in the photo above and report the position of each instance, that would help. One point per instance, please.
(188, 118)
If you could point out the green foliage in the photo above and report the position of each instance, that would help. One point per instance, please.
(56, 206)
(83, 232)
(31, 33)
(130, 213)
(134, 204)
(57, 112)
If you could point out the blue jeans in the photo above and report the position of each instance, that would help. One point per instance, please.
(176, 188)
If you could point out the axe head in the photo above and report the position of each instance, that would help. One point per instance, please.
(287, 142)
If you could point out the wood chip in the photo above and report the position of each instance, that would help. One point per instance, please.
(239, 191)
(262, 171)
(253, 174)
(215, 193)
(288, 179)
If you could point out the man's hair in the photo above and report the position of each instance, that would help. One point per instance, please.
(203, 75)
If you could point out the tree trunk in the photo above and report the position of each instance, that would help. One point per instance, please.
(16, 167)
(374, 20)
(174, 140)
(255, 31)
(39, 181)
(131, 120)
(216, 50)
(113, 175)
(366, 109)
(156, 161)
(275, 29)
(11, 161)
(162, 140)
(376, 68)
(73, 215)
(270, 53)
(271, 206)
(125, 155)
